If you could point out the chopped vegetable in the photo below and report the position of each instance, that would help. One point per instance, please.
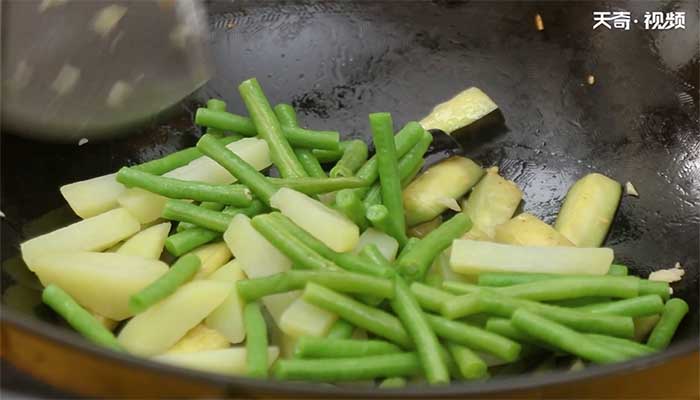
(528, 230)
(630, 190)
(341, 329)
(180, 243)
(93, 196)
(348, 369)
(425, 198)
(669, 275)
(313, 347)
(671, 317)
(224, 361)
(78, 318)
(588, 210)
(471, 366)
(227, 318)
(354, 157)
(215, 105)
(321, 221)
(634, 307)
(471, 257)
(319, 185)
(148, 243)
(167, 284)
(429, 297)
(492, 202)
(304, 319)
(200, 338)
(212, 256)
(471, 106)
(92, 234)
(189, 305)
(386, 244)
(102, 282)
(421, 230)
(256, 341)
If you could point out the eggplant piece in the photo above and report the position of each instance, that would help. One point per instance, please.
(469, 111)
(589, 209)
(492, 202)
(432, 192)
(528, 230)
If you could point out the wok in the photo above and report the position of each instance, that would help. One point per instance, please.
(336, 62)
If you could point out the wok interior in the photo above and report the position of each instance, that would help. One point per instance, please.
(337, 62)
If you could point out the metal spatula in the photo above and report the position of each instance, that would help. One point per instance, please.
(75, 69)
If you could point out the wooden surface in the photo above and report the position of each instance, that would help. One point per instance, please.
(86, 374)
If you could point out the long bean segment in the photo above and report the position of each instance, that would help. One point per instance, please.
(291, 246)
(348, 369)
(354, 156)
(313, 347)
(256, 340)
(179, 210)
(341, 329)
(209, 205)
(225, 121)
(237, 195)
(635, 307)
(564, 338)
(348, 203)
(235, 165)
(369, 318)
(215, 105)
(627, 347)
(412, 317)
(471, 366)
(177, 159)
(568, 288)
(674, 311)
(179, 273)
(475, 338)
(346, 282)
(346, 261)
(269, 129)
(318, 185)
(80, 319)
(182, 242)
(416, 262)
(429, 297)
(387, 164)
(310, 163)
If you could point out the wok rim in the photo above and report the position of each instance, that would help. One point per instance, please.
(232, 385)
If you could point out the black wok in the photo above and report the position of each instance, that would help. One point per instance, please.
(336, 62)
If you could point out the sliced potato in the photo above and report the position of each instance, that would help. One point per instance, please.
(321, 221)
(259, 258)
(477, 234)
(441, 268)
(93, 234)
(230, 361)
(148, 243)
(162, 325)
(387, 245)
(466, 108)
(431, 192)
(492, 202)
(304, 319)
(212, 256)
(93, 196)
(102, 282)
(199, 338)
(474, 257)
(227, 318)
(147, 206)
(528, 230)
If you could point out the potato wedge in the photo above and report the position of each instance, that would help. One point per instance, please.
(304, 319)
(227, 318)
(93, 196)
(148, 243)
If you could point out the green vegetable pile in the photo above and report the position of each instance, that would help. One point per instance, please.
(373, 271)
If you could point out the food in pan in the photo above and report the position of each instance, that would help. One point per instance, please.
(344, 265)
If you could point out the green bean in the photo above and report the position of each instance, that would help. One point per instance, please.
(661, 289)
(372, 253)
(428, 297)
(346, 261)
(318, 185)
(269, 129)
(618, 270)
(475, 338)
(573, 287)
(243, 171)
(415, 322)
(309, 139)
(182, 242)
(504, 327)
(348, 369)
(674, 311)
(209, 205)
(635, 307)
(348, 203)
(371, 319)
(392, 383)
(564, 338)
(471, 366)
(256, 340)
(179, 210)
(388, 167)
(407, 248)
(409, 165)
(313, 347)
(286, 115)
(80, 319)
(504, 306)
(500, 279)
(326, 156)
(346, 282)
(216, 105)
(176, 159)
(627, 347)
(404, 141)
(378, 216)
(341, 329)
(354, 156)
(225, 121)
(457, 287)
(580, 301)
(179, 273)
(237, 195)
(310, 163)
(302, 255)
(416, 262)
